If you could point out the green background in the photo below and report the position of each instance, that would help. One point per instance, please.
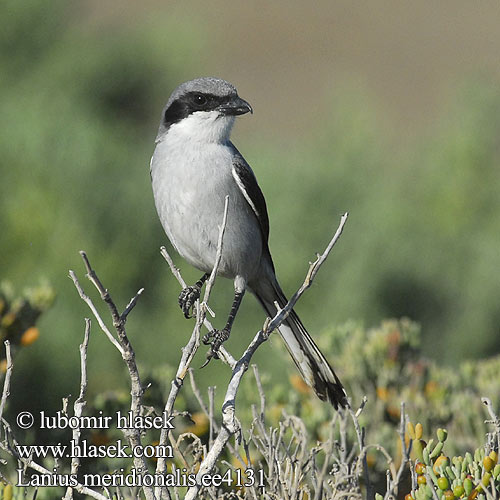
(388, 110)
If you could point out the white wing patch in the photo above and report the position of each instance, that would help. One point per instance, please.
(243, 190)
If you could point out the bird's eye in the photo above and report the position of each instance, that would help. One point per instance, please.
(200, 99)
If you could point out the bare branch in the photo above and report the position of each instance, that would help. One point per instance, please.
(261, 392)
(218, 255)
(124, 346)
(8, 374)
(9, 436)
(211, 396)
(191, 347)
(489, 406)
(79, 404)
(230, 425)
(173, 268)
(495, 420)
(31, 464)
(92, 307)
(393, 483)
(224, 355)
(131, 305)
(92, 276)
(311, 274)
(328, 449)
(433, 490)
(362, 447)
(197, 393)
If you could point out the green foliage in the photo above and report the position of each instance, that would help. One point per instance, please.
(474, 475)
(386, 364)
(423, 224)
(80, 109)
(20, 313)
(80, 106)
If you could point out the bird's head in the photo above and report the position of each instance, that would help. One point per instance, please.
(202, 110)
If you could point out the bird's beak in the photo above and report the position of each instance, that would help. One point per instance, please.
(235, 106)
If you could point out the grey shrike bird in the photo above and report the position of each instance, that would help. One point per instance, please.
(193, 168)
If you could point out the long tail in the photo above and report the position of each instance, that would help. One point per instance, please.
(313, 366)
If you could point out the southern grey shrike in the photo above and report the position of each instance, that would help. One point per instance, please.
(193, 168)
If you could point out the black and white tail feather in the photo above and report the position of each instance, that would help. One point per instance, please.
(312, 365)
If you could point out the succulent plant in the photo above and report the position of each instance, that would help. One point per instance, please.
(19, 314)
(472, 476)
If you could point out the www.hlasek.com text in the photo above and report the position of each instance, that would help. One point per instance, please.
(84, 449)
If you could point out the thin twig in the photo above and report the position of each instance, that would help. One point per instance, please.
(94, 279)
(224, 355)
(191, 347)
(495, 420)
(433, 490)
(211, 396)
(79, 404)
(311, 274)
(323, 471)
(197, 393)
(387, 456)
(230, 424)
(208, 411)
(31, 464)
(131, 305)
(97, 316)
(218, 255)
(392, 490)
(261, 392)
(8, 374)
(123, 344)
(173, 268)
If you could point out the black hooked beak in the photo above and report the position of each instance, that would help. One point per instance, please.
(234, 106)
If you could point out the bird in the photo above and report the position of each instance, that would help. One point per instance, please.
(194, 167)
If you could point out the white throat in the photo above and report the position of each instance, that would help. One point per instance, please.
(203, 127)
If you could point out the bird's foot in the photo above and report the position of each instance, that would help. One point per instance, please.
(214, 339)
(187, 299)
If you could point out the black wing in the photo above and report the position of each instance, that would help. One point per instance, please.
(245, 178)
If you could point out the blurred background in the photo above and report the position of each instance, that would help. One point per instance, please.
(389, 110)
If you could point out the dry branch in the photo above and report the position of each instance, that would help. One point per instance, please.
(80, 403)
(8, 374)
(124, 346)
(189, 351)
(229, 422)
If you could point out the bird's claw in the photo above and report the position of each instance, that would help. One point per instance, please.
(214, 339)
(187, 299)
(207, 338)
